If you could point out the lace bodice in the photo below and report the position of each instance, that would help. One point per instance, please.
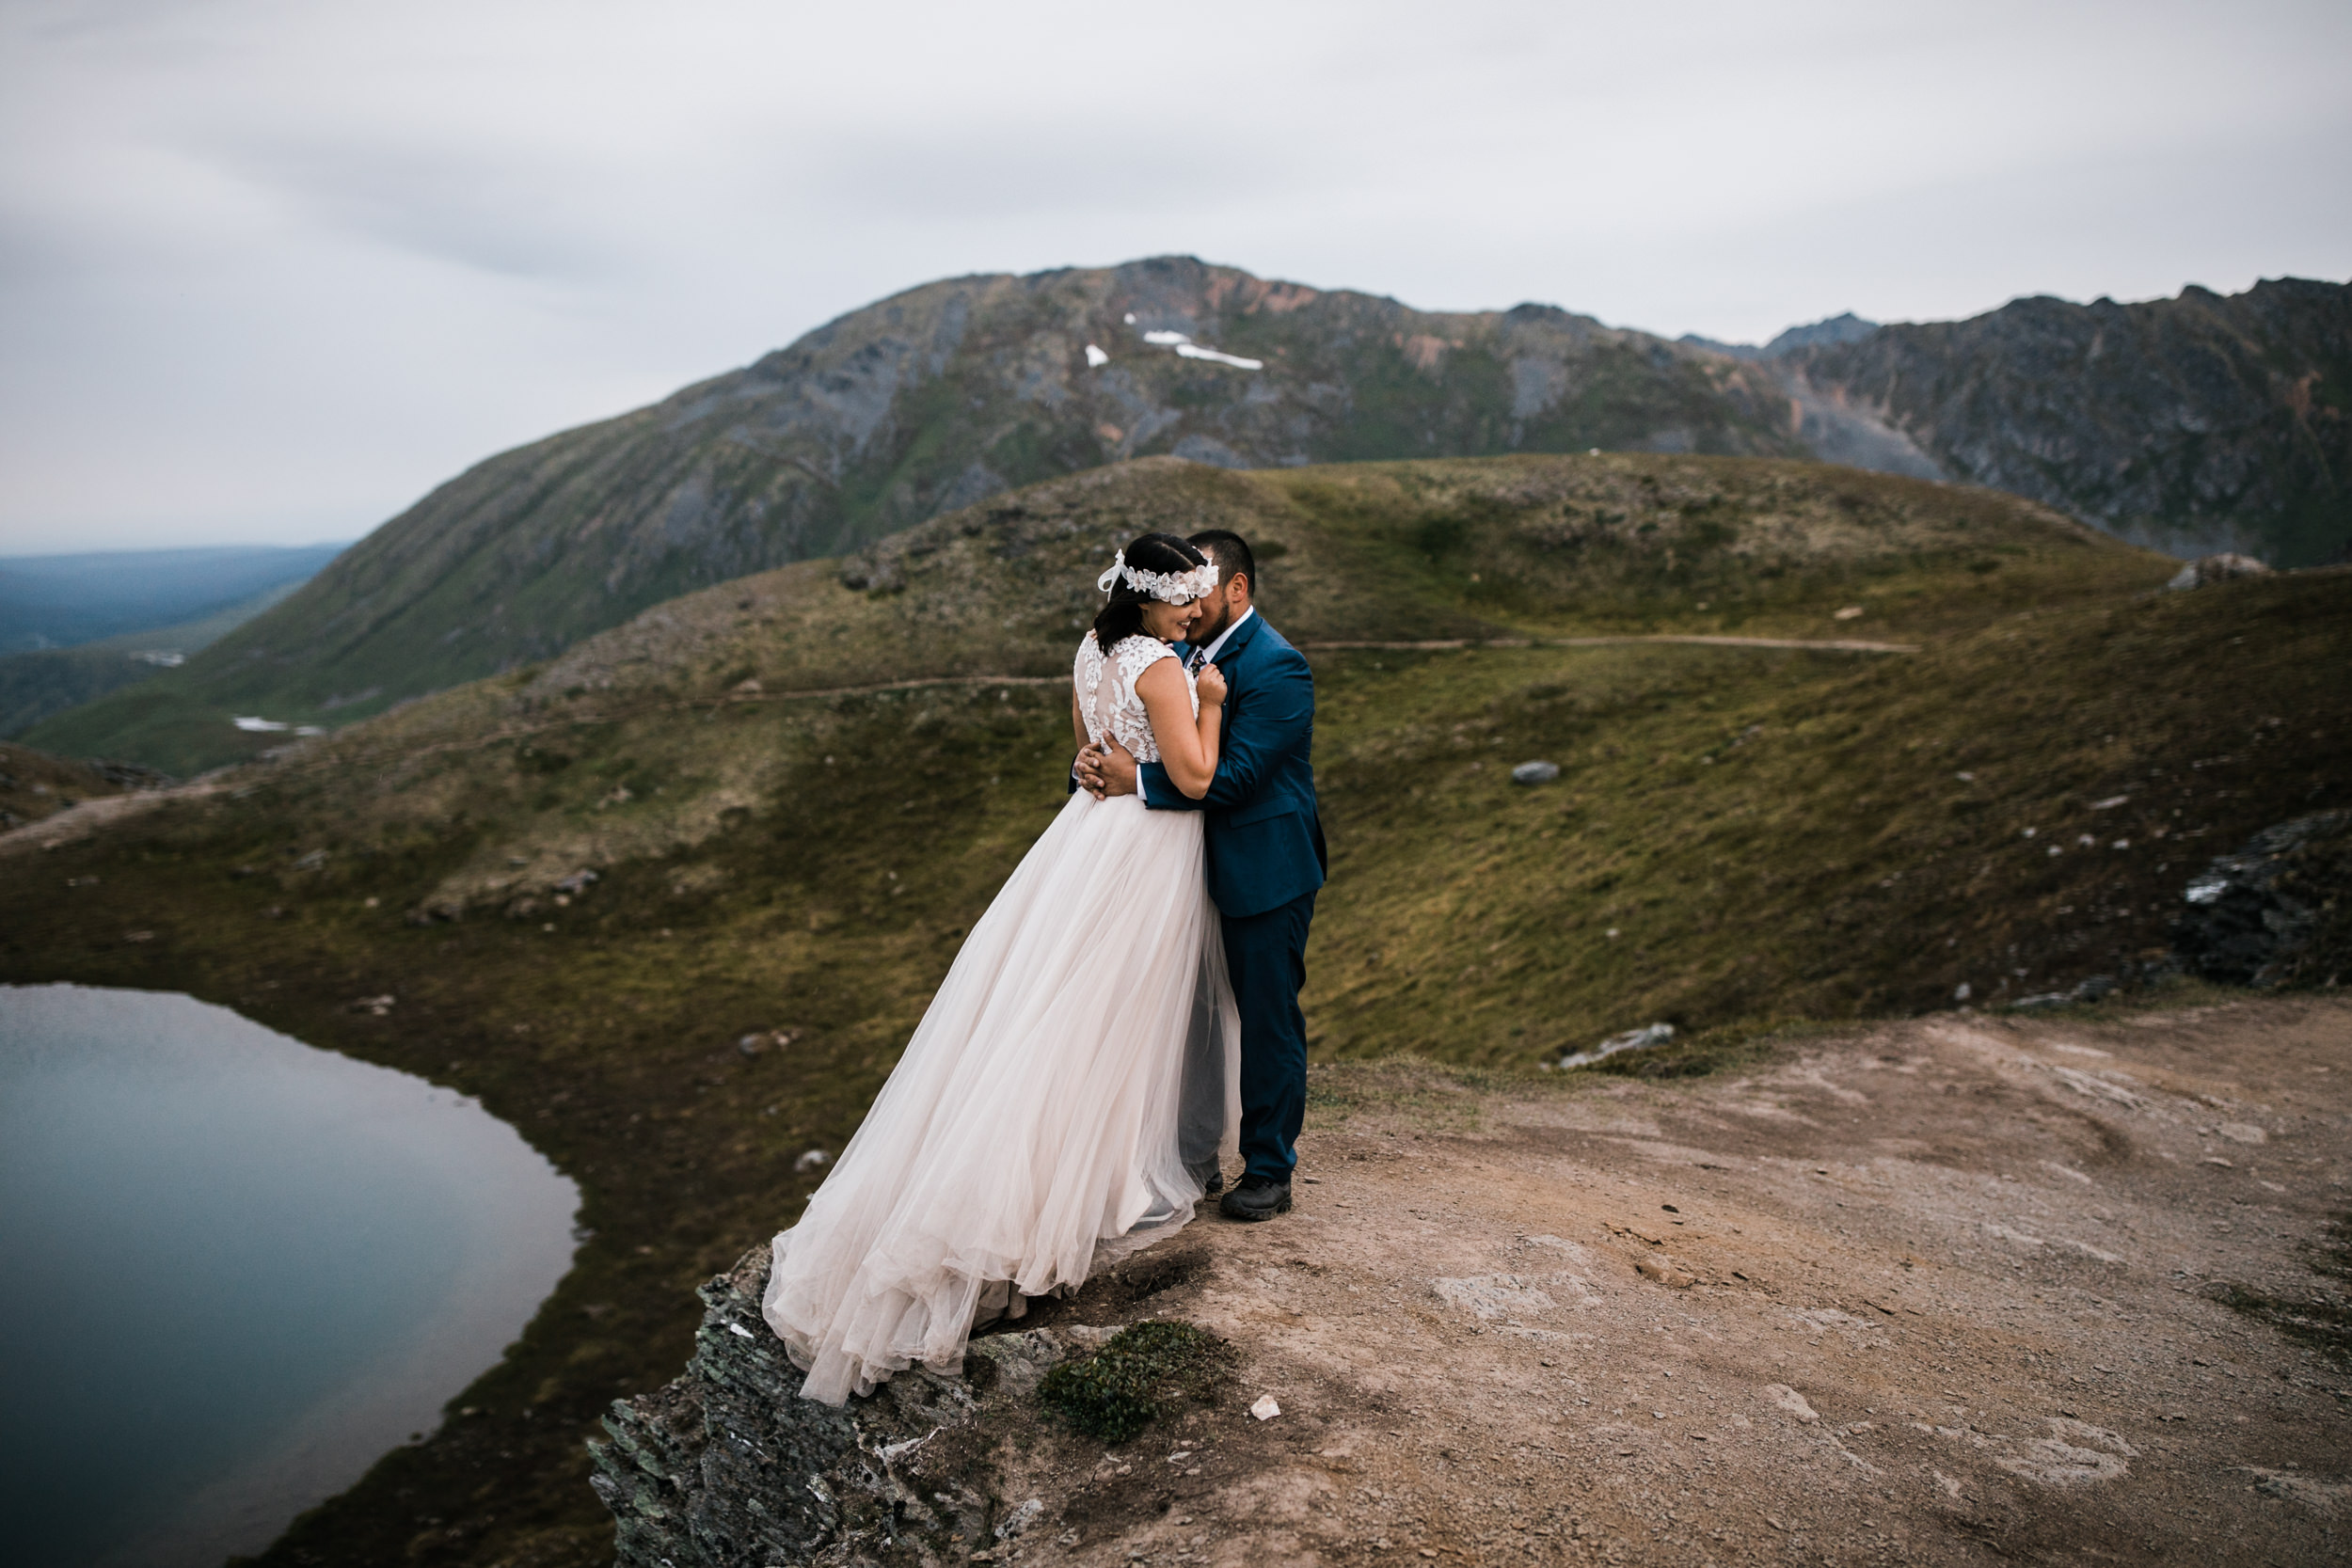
(1110, 706)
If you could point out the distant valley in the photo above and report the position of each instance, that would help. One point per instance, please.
(66, 601)
(2187, 425)
(74, 628)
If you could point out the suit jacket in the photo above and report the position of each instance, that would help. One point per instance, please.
(1264, 834)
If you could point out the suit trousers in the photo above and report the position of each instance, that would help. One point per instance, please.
(1265, 959)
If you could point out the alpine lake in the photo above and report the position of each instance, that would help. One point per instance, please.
(239, 1270)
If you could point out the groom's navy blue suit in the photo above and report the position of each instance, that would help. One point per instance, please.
(1266, 859)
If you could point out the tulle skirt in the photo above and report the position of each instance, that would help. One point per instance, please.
(1076, 1072)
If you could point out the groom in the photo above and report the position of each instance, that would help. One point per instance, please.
(1265, 857)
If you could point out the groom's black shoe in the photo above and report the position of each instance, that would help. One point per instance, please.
(1256, 1198)
(1212, 1179)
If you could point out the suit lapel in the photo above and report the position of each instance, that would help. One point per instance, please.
(1243, 635)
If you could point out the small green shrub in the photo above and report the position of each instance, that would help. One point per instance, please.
(1143, 1372)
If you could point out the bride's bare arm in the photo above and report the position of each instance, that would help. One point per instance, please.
(1188, 747)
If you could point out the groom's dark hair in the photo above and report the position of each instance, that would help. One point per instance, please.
(1230, 552)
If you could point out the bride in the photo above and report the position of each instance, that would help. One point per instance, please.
(1066, 1094)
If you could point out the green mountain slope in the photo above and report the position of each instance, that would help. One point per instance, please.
(798, 791)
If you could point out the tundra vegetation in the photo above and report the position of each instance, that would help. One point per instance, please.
(797, 791)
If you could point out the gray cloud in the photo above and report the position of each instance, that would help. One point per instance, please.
(466, 207)
(271, 269)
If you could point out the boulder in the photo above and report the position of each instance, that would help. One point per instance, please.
(2276, 911)
(2217, 568)
(1632, 1039)
(728, 1466)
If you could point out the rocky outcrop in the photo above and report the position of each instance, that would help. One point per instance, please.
(2277, 913)
(2208, 569)
(729, 1467)
(2196, 424)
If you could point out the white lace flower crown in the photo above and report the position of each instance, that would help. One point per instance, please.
(1172, 587)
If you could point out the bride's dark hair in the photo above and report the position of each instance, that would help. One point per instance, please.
(1151, 552)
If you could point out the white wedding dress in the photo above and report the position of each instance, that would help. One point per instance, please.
(1078, 1066)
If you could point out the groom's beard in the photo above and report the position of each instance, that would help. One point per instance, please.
(1205, 631)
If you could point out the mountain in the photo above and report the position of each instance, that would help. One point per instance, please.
(2214, 422)
(1844, 328)
(921, 404)
(2194, 424)
(796, 791)
(62, 601)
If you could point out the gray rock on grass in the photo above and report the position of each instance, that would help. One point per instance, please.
(2217, 568)
(2250, 916)
(1632, 1039)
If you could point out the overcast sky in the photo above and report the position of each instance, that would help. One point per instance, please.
(271, 269)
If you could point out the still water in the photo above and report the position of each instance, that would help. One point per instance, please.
(234, 1270)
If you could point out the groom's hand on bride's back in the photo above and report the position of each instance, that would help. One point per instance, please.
(1113, 771)
(1105, 770)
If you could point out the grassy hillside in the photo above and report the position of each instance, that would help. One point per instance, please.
(799, 789)
(34, 785)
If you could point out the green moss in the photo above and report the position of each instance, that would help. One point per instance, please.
(1140, 1375)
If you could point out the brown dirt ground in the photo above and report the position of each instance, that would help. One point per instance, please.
(1954, 1301)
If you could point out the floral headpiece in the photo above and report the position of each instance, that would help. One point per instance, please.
(1172, 587)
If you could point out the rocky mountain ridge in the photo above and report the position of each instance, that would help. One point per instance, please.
(2193, 424)
(1845, 327)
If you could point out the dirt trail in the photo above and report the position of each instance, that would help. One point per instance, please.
(88, 817)
(1953, 1302)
